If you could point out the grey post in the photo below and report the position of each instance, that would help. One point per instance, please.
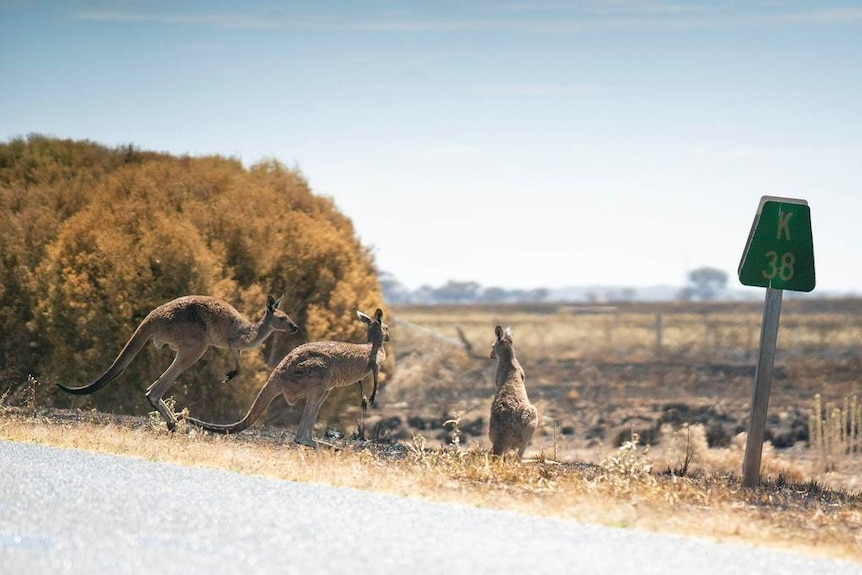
(762, 384)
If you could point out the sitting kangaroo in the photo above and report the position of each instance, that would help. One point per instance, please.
(311, 371)
(513, 417)
(189, 325)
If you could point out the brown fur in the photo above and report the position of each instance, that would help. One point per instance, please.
(190, 325)
(513, 417)
(311, 371)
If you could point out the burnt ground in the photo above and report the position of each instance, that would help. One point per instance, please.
(584, 404)
(594, 391)
(594, 405)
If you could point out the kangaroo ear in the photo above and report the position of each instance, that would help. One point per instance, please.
(363, 317)
(378, 315)
(499, 331)
(271, 303)
(509, 331)
(278, 302)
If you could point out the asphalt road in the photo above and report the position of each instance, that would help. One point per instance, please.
(70, 511)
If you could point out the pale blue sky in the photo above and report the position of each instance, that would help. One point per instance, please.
(517, 144)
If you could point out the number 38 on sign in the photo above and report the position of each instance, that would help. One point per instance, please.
(779, 253)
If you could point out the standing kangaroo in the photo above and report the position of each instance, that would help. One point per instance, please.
(311, 371)
(190, 325)
(513, 417)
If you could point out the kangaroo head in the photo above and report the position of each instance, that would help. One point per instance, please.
(504, 338)
(376, 330)
(279, 320)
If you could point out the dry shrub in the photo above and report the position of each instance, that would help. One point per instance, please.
(95, 238)
(681, 450)
(628, 471)
(835, 431)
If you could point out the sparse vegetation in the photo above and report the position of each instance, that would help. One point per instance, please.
(597, 377)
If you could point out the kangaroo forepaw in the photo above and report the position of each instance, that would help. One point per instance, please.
(229, 375)
(364, 403)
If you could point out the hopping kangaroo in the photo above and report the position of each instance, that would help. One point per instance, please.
(513, 417)
(311, 371)
(190, 325)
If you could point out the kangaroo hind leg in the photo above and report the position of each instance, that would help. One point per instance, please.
(313, 403)
(185, 358)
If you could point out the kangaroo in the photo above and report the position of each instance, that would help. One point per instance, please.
(513, 417)
(189, 325)
(311, 371)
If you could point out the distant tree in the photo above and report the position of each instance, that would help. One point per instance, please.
(495, 295)
(627, 294)
(394, 292)
(705, 284)
(457, 292)
(620, 295)
(425, 294)
(537, 295)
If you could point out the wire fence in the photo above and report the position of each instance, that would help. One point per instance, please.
(610, 332)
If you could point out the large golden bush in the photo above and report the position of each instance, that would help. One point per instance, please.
(94, 238)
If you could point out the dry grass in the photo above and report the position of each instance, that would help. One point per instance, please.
(596, 375)
(626, 489)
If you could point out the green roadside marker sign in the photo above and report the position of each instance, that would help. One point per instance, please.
(779, 253)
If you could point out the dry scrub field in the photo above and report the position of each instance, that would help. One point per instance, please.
(676, 377)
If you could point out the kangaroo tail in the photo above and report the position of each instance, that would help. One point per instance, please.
(132, 348)
(265, 396)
